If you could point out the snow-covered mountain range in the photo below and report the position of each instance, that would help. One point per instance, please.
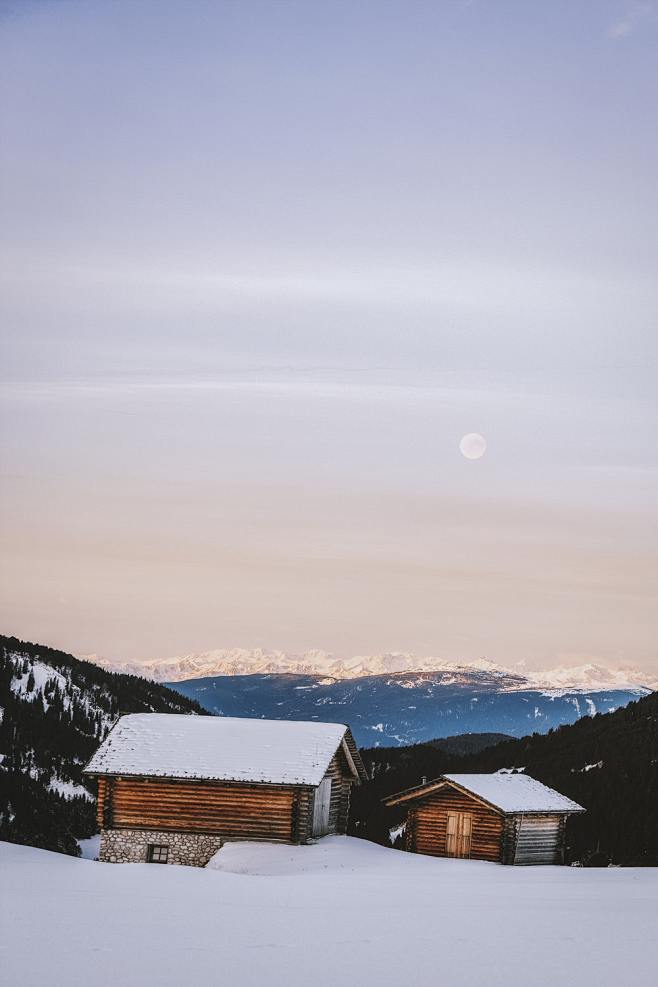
(241, 661)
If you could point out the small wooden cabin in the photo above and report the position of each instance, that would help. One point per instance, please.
(509, 818)
(173, 788)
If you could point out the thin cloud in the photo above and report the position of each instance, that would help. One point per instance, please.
(635, 15)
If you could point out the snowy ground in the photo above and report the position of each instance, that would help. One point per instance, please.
(343, 911)
(90, 848)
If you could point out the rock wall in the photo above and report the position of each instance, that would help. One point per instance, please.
(130, 846)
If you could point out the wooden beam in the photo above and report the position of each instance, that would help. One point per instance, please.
(349, 758)
(422, 791)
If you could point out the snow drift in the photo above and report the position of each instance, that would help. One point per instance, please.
(341, 911)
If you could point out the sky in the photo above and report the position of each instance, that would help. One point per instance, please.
(265, 263)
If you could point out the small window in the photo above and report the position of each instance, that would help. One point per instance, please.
(158, 854)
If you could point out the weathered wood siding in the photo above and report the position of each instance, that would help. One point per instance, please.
(265, 812)
(427, 825)
(344, 807)
(339, 806)
(509, 839)
(303, 816)
(340, 793)
(537, 839)
(102, 803)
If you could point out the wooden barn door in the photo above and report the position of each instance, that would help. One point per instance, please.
(321, 808)
(459, 830)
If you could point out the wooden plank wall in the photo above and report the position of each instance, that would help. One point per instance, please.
(509, 839)
(302, 824)
(341, 783)
(103, 812)
(539, 839)
(266, 812)
(427, 825)
(344, 808)
(336, 772)
(235, 811)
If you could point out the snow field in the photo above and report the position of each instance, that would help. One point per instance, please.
(342, 910)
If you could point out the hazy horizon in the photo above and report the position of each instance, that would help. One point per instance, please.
(264, 265)
(317, 658)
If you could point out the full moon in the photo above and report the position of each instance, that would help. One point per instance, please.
(473, 446)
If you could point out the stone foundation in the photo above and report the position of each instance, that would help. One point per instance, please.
(130, 846)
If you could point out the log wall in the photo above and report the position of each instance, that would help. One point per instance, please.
(340, 793)
(427, 823)
(233, 811)
(265, 812)
(102, 807)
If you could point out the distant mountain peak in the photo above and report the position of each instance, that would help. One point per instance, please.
(259, 661)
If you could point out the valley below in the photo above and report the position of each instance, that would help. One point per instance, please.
(405, 708)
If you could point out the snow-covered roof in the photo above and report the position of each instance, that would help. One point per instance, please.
(508, 792)
(219, 748)
(515, 792)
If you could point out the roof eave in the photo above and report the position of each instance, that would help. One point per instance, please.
(421, 791)
(418, 791)
(546, 812)
(216, 781)
(353, 757)
(410, 795)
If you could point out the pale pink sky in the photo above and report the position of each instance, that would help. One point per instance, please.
(265, 264)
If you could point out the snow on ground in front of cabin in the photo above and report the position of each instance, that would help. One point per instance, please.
(341, 911)
(91, 847)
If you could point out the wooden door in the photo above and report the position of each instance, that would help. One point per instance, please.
(321, 808)
(459, 830)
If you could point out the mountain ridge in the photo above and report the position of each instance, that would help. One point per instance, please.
(403, 708)
(587, 677)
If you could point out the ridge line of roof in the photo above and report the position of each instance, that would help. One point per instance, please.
(460, 780)
(238, 750)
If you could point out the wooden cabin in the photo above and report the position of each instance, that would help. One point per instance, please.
(173, 788)
(509, 818)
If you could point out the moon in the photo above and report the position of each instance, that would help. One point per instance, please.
(473, 446)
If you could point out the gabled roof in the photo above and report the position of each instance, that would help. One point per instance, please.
(222, 748)
(507, 792)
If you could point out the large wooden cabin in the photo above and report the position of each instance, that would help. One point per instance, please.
(509, 818)
(173, 788)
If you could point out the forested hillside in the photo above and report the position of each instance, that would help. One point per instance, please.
(54, 712)
(468, 743)
(607, 763)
